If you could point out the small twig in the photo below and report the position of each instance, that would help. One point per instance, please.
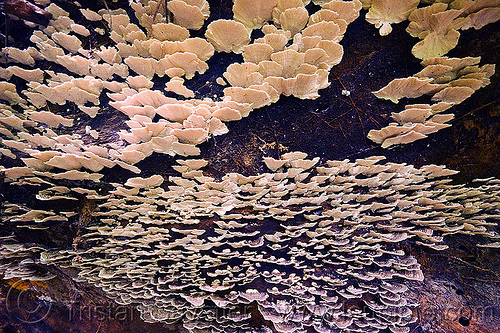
(477, 109)
(330, 125)
(258, 137)
(419, 320)
(362, 151)
(480, 280)
(105, 5)
(157, 10)
(354, 106)
(476, 267)
(323, 120)
(109, 13)
(2, 179)
(99, 328)
(275, 135)
(6, 42)
(358, 110)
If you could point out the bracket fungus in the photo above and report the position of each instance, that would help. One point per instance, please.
(437, 25)
(313, 245)
(253, 14)
(227, 36)
(245, 263)
(450, 81)
(383, 13)
(189, 14)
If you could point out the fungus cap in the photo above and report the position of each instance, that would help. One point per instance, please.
(227, 36)
(348, 10)
(253, 13)
(191, 135)
(294, 20)
(177, 86)
(50, 118)
(151, 182)
(327, 30)
(70, 43)
(410, 87)
(383, 13)
(257, 52)
(169, 32)
(435, 45)
(186, 15)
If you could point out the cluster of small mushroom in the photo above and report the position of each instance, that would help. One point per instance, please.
(44, 150)
(450, 81)
(296, 244)
(437, 25)
(299, 69)
(189, 14)
(271, 68)
(184, 56)
(17, 261)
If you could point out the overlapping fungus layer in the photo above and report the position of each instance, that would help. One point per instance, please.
(450, 81)
(125, 68)
(305, 246)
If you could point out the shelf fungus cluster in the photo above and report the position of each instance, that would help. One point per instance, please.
(449, 81)
(436, 25)
(295, 245)
(383, 13)
(293, 58)
(272, 66)
(124, 69)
